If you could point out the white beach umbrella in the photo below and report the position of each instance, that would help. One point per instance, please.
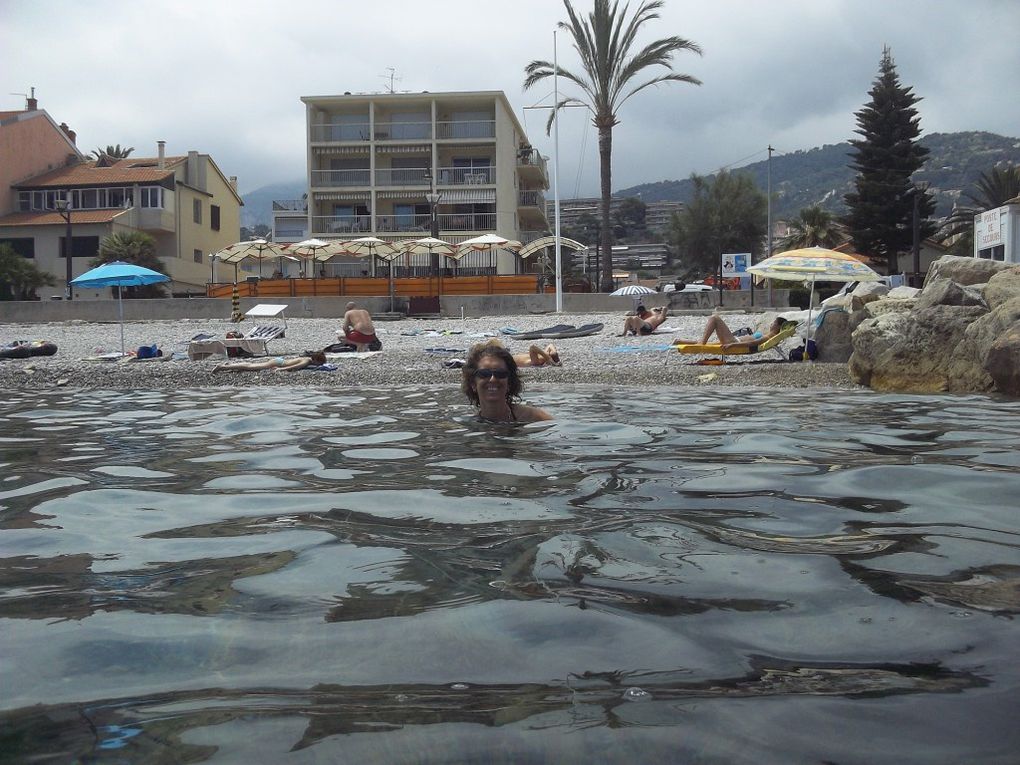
(633, 289)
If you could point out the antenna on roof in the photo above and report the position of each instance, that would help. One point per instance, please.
(391, 77)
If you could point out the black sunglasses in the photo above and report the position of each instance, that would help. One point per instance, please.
(485, 374)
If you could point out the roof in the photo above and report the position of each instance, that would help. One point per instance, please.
(53, 218)
(130, 170)
(5, 115)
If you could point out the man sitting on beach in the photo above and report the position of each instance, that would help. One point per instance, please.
(358, 328)
(644, 322)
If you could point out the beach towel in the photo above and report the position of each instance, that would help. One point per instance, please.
(540, 333)
(445, 350)
(351, 355)
(582, 331)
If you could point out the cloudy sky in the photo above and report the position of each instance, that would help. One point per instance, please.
(226, 77)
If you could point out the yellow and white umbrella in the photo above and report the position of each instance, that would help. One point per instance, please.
(813, 264)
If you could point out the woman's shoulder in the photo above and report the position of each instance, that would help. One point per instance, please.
(525, 413)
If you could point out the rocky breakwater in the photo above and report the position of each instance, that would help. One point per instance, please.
(960, 334)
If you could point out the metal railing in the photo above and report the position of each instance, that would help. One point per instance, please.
(531, 158)
(291, 205)
(339, 178)
(349, 132)
(531, 198)
(403, 131)
(466, 129)
(404, 176)
(476, 222)
(408, 223)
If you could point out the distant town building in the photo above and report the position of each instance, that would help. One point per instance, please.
(375, 159)
(997, 233)
(184, 202)
(657, 214)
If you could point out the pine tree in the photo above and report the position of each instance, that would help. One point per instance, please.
(881, 210)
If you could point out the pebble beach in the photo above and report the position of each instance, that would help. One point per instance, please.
(413, 354)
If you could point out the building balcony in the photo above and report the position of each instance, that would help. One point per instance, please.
(290, 208)
(327, 133)
(467, 176)
(333, 179)
(466, 129)
(532, 167)
(403, 131)
(531, 198)
(407, 176)
(343, 225)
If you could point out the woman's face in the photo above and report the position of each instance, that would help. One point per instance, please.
(490, 387)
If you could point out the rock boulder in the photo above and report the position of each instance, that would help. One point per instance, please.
(1003, 286)
(1003, 361)
(948, 292)
(964, 271)
(833, 337)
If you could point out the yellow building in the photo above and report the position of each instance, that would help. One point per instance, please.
(184, 202)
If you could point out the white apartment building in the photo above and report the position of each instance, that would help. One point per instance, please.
(375, 160)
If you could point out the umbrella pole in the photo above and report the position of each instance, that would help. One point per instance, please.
(391, 285)
(120, 314)
(810, 305)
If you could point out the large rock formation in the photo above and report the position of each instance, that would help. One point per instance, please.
(961, 334)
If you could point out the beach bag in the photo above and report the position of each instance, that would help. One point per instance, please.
(148, 352)
(799, 353)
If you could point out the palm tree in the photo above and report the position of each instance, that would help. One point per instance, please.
(604, 41)
(132, 247)
(113, 152)
(813, 227)
(991, 190)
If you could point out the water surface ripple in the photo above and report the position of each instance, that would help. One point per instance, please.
(276, 575)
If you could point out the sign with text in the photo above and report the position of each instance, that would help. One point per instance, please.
(988, 228)
(735, 264)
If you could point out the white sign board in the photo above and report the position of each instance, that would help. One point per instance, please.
(988, 228)
(735, 264)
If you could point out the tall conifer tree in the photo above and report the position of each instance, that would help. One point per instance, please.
(881, 209)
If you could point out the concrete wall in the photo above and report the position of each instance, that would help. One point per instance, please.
(36, 312)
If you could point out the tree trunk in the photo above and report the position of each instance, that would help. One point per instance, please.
(605, 226)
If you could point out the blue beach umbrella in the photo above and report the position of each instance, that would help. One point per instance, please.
(119, 274)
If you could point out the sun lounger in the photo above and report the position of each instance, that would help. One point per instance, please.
(716, 349)
(264, 332)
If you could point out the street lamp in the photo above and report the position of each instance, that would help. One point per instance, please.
(212, 268)
(64, 208)
(433, 199)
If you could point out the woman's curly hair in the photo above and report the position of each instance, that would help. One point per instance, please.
(497, 350)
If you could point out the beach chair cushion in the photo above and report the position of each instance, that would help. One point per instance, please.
(740, 350)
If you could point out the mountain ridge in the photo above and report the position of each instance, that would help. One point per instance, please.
(806, 177)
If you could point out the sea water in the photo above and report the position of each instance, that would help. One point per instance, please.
(288, 575)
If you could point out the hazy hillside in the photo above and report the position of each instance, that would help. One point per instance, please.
(821, 176)
(816, 176)
(258, 204)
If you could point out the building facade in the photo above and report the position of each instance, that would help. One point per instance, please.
(375, 160)
(184, 202)
(657, 214)
(997, 233)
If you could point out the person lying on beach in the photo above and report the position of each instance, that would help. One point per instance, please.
(358, 327)
(537, 357)
(490, 381)
(715, 325)
(278, 362)
(644, 322)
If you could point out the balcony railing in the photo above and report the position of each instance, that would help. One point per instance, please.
(407, 176)
(291, 205)
(466, 129)
(531, 158)
(531, 198)
(476, 222)
(349, 132)
(466, 176)
(403, 131)
(338, 178)
(447, 222)
(413, 223)
(341, 224)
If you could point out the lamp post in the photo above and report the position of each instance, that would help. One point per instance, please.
(212, 268)
(433, 199)
(64, 208)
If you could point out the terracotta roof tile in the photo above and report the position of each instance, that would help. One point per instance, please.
(130, 170)
(52, 218)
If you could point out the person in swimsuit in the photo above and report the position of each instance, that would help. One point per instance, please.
(727, 339)
(537, 357)
(316, 358)
(358, 328)
(491, 382)
(644, 322)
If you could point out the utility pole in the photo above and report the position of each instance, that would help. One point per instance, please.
(916, 250)
(768, 246)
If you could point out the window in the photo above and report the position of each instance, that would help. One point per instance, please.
(25, 247)
(82, 246)
(152, 196)
(197, 254)
(24, 201)
(214, 217)
(196, 207)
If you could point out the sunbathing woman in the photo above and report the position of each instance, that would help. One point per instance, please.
(491, 383)
(316, 358)
(536, 357)
(727, 339)
(644, 322)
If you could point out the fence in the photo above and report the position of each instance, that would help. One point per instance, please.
(519, 284)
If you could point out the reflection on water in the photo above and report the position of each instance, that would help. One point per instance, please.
(737, 576)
